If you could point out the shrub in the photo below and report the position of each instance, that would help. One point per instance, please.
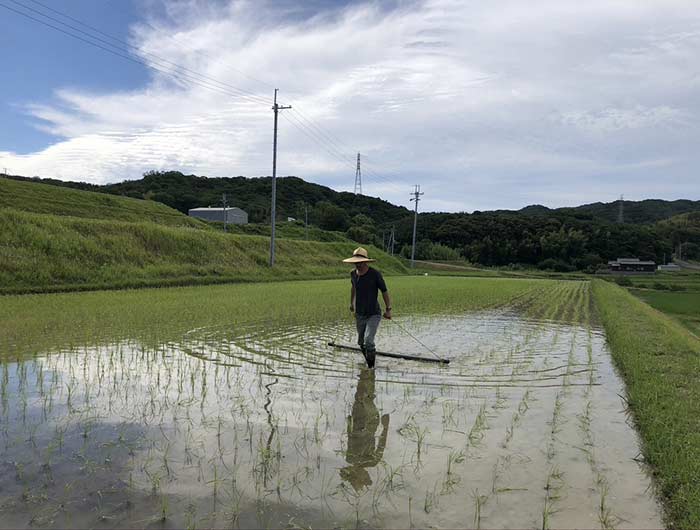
(674, 287)
(557, 265)
(623, 281)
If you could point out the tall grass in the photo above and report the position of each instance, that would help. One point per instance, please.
(40, 253)
(660, 362)
(44, 198)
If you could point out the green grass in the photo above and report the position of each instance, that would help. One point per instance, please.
(46, 199)
(285, 230)
(683, 306)
(660, 363)
(44, 253)
(684, 280)
(35, 324)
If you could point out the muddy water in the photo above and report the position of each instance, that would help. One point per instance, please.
(247, 427)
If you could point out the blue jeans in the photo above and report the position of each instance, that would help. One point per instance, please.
(366, 330)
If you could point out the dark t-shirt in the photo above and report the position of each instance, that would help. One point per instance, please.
(367, 287)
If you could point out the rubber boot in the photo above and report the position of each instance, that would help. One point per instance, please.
(370, 356)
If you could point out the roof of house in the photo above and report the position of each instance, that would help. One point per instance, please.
(215, 209)
(630, 261)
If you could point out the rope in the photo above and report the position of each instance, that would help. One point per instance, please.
(416, 339)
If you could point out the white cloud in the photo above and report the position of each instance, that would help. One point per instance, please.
(487, 105)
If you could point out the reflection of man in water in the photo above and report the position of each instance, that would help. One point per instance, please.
(362, 426)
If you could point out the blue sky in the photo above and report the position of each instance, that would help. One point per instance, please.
(485, 105)
(39, 59)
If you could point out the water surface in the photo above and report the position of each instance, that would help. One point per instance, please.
(264, 425)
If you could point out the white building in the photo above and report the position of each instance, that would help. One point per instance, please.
(232, 215)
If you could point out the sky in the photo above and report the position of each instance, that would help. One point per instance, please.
(485, 105)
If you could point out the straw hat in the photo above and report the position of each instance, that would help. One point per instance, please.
(358, 256)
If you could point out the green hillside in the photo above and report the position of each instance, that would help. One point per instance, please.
(636, 212)
(37, 197)
(43, 253)
(583, 238)
(61, 239)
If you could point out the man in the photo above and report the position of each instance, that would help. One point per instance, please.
(366, 283)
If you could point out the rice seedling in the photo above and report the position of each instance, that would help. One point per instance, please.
(479, 502)
(476, 433)
(158, 419)
(552, 487)
(431, 499)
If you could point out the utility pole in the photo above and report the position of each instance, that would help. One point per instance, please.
(390, 245)
(358, 177)
(275, 108)
(306, 221)
(416, 197)
(223, 200)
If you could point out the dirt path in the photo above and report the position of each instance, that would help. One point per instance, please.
(687, 265)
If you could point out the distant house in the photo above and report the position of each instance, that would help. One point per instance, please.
(631, 265)
(670, 267)
(233, 215)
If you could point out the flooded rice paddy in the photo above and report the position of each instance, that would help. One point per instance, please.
(252, 425)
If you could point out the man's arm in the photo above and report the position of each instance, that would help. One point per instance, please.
(352, 298)
(387, 304)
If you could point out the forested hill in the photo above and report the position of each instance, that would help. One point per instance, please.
(635, 212)
(582, 238)
(182, 192)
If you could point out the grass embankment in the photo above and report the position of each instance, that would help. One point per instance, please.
(45, 199)
(686, 280)
(660, 362)
(37, 324)
(44, 253)
(286, 230)
(683, 306)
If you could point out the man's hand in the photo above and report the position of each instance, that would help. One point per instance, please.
(387, 314)
(352, 308)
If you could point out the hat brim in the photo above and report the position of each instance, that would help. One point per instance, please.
(357, 259)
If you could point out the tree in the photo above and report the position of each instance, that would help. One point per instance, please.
(331, 217)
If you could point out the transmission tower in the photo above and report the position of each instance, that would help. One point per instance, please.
(358, 177)
(621, 212)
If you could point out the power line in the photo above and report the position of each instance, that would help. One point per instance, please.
(85, 37)
(332, 140)
(183, 75)
(332, 150)
(130, 48)
(346, 161)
